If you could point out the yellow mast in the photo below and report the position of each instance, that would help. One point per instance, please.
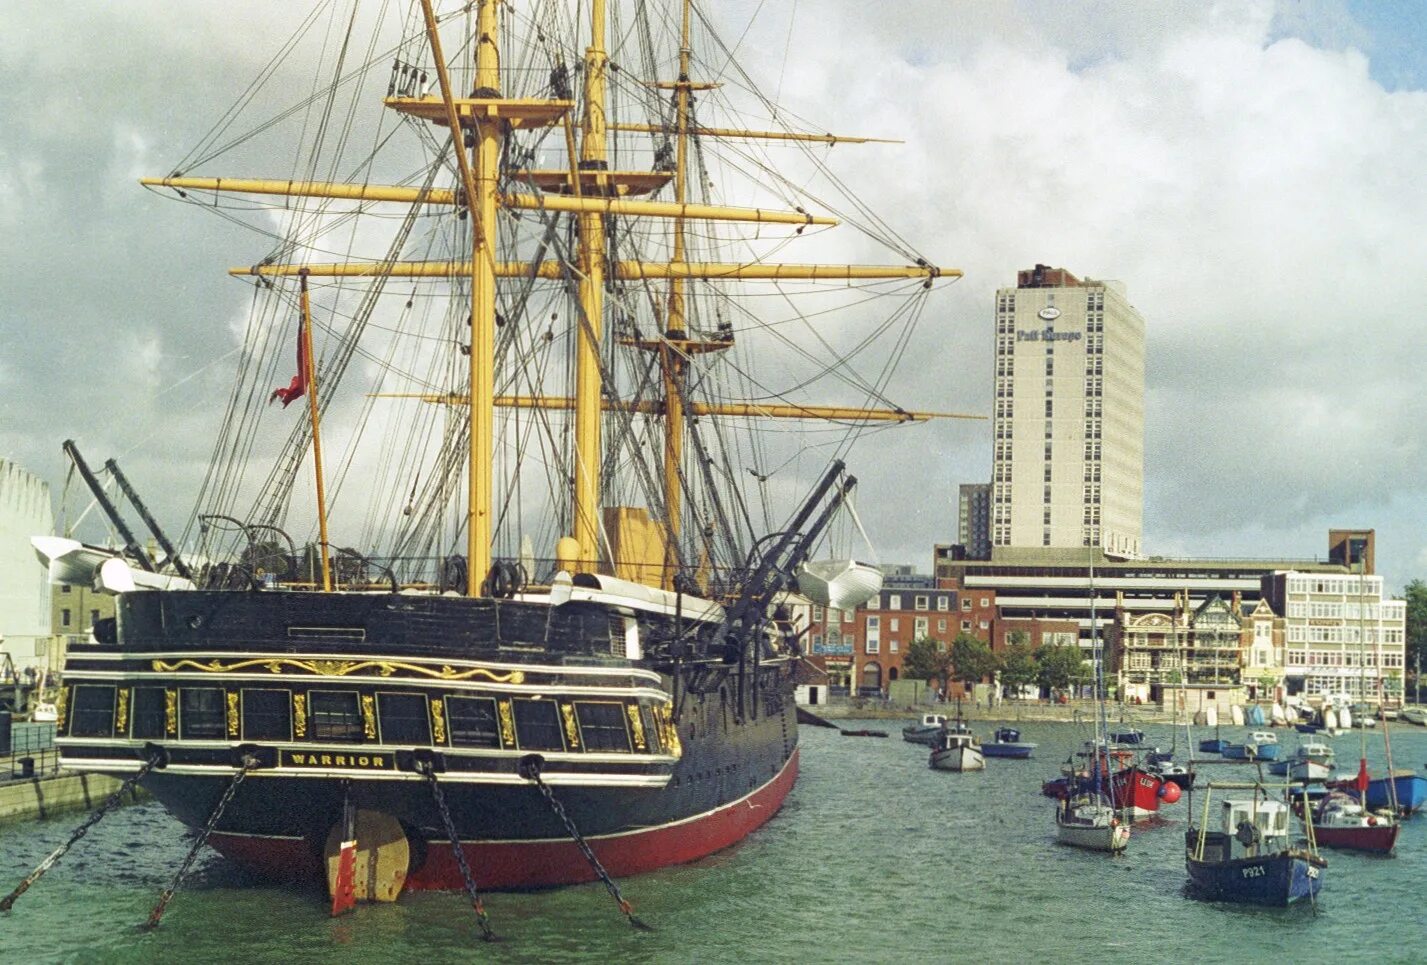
(310, 376)
(481, 189)
(672, 362)
(585, 507)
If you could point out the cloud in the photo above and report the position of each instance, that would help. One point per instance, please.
(1239, 166)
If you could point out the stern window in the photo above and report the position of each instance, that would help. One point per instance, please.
(200, 712)
(537, 726)
(602, 726)
(403, 719)
(335, 716)
(473, 722)
(267, 715)
(148, 714)
(93, 714)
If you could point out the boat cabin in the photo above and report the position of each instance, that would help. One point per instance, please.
(1248, 827)
(1262, 737)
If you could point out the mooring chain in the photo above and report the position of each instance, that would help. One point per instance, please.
(249, 763)
(529, 768)
(467, 877)
(109, 804)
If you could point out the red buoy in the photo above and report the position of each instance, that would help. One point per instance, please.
(1169, 792)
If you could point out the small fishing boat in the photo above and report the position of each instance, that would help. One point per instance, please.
(1261, 745)
(1339, 821)
(1409, 790)
(1007, 743)
(1414, 715)
(1248, 856)
(1085, 821)
(927, 732)
(1139, 791)
(957, 751)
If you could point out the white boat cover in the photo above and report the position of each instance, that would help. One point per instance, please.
(841, 584)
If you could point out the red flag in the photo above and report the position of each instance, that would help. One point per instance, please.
(298, 386)
(1362, 779)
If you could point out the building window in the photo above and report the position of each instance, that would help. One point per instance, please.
(93, 713)
(941, 626)
(966, 604)
(894, 601)
(920, 602)
(335, 715)
(537, 725)
(602, 726)
(64, 618)
(893, 646)
(943, 603)
(472, 722)
(93, 617)
(200, 713)
(817, 613)
(875, 623)
(65, 588)
(894, 624)
(403, 719)
(847, 616)
(985, 625)
(147, 717)
(873, 645)
(267, 715)
(966, 624)
(985, 601)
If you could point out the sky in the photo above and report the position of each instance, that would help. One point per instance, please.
(1249, 171)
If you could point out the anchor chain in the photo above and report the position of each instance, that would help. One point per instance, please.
(529, 768)
(482, 919)
(109, 804)
(249, 763)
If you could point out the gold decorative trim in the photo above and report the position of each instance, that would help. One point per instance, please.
(340, 668)
(299, 714)
(572, 730)
(121, 712)
(636, 726)
(669, 731)
(171, 713)
(507, 723)
(369, 716)
(438, 720)
(232, 713)
(61, 705)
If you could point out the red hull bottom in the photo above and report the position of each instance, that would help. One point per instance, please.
(1380, 839)
(546, 863)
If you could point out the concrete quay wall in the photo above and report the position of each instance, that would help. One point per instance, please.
(45, 797)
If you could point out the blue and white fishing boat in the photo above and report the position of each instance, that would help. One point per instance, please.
(928, 731)
(1248, 855)
(1261, 745)
(1007, 743)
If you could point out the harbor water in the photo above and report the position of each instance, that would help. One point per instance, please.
(875, 858)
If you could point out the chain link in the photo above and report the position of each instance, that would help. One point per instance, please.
(533, 773)
(459, 853)
(155, 916)
(109, 804)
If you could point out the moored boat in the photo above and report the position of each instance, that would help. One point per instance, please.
(957, 750)
(1007, 743)
(927, 731)
(1084, 821)
(1246, 855)
(1339, 821)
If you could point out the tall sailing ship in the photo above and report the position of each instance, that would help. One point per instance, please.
(550, 319)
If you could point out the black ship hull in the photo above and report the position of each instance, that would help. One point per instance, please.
(660, 747)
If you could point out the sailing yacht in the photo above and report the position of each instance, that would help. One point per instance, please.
(540, 630)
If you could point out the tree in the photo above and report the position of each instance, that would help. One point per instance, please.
(1416, 594)
(973, 659)
(925, 660)
(1058, 666)
(1018, 666)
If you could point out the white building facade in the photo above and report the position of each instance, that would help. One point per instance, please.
(25, 511)
(1341, 637)
(1068, 461)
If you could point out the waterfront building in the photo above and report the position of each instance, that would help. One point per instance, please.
(973, 519)
(1068, 424)
(862, 650)
(1342, 636)
(25, 511)
(1189, 656)
(1055, 584)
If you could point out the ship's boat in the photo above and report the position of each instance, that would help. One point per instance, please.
(521, 322)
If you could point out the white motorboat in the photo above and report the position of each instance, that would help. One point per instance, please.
(1311, 762)
(957, 751)
(1415, 715)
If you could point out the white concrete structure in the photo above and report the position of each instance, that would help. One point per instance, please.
(1341, 636)
(1068, 461)
(25, 511)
